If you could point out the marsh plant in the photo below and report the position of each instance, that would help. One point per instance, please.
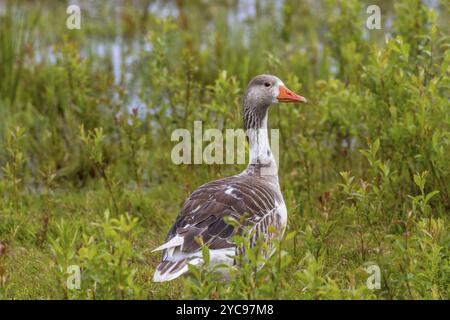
(86, 117)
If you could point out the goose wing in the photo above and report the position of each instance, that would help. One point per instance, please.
(201, 221)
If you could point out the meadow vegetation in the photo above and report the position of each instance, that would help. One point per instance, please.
(85, 152)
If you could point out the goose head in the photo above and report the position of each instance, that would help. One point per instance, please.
(263, 91)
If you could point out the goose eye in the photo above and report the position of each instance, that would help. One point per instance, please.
(267, 84)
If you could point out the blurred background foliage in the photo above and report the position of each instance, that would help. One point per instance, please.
(86, 118)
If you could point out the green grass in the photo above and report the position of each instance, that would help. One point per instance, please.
(363, 167)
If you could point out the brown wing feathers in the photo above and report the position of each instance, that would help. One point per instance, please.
(203, 212)
(202, 218)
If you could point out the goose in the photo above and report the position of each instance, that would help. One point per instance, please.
(253, 198)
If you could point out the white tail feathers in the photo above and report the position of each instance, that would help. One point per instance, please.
(169, 270)
(175, 265)
(174, 242)
(162, 275)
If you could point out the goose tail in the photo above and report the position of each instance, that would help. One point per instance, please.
(170, 270)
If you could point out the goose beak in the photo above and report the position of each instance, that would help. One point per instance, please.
(287, 95)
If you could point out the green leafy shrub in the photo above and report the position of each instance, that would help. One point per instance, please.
(104, 253)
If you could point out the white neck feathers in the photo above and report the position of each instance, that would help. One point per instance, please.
(259, 147)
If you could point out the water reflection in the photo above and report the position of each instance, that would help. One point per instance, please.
(114, 31)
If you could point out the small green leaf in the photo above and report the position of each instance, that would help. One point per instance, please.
(430, 195)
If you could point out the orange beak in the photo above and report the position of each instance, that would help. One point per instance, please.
(287, 95)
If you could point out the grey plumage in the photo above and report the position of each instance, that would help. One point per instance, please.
(251, 197)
